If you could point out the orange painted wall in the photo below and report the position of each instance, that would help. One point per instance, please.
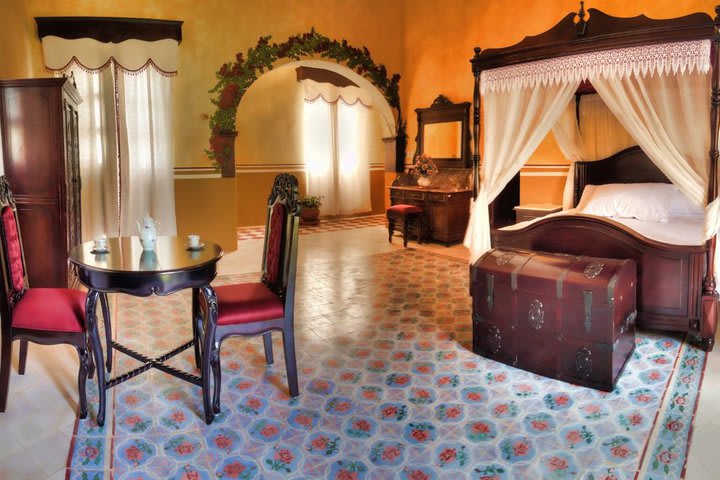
(439, 42)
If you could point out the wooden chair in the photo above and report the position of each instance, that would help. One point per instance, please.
(258, 308)
(407, 214)
(47, 316)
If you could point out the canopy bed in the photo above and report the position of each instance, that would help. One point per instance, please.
(660, 79)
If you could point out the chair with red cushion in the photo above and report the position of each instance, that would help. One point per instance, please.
(407, 214)
(47, 316)
(257, 308)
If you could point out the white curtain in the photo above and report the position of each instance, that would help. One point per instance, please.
(668, 116)
(319, 148)
(354, 173)
(146, 151)
(126, 143)
(568, 138)
(335, 144)
(516, 121)
(98, 153)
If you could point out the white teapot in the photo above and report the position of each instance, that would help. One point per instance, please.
(147, 233)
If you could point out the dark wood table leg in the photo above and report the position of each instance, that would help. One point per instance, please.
(92, 328)
(195, 312)
(210, 359)
(108, 329)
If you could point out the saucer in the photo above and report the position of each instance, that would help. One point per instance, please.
(96, 251)
(199, 246)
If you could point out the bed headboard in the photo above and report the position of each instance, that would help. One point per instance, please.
(631, 165)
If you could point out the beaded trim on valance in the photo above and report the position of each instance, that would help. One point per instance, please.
(663, 59)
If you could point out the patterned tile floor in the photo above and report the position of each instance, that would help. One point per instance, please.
(330, 225)
(390, 389)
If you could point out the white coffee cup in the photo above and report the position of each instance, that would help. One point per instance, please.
(193, 240)
(100, 244)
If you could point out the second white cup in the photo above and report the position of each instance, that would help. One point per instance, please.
(193, 240)
(100, 244)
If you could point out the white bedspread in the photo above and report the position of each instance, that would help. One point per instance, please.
(679, 230)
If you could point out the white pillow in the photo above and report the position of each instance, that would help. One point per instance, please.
(651, 202)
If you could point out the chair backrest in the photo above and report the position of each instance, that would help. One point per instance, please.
(12, 256)
(281, 237)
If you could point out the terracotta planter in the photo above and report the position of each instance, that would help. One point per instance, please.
(309, 215)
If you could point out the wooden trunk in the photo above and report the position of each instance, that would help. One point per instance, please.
(39, 125)
(563, 316)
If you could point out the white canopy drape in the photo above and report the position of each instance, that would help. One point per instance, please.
(653, 90)
(516, 122)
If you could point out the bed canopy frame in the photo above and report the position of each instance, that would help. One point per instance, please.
(575, 35)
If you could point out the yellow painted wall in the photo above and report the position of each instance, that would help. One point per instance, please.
(206, 207)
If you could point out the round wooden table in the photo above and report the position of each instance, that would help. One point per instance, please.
(126, 268)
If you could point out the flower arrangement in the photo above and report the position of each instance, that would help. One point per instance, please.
(425, 166)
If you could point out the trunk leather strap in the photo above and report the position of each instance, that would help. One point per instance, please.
(587, 300)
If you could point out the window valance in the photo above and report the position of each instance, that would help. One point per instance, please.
(92, 55)
(666, 58)
(330, 93)
(92, 42)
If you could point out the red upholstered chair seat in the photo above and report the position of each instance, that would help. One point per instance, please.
(247, 302)
(53, 309)
(404, 209)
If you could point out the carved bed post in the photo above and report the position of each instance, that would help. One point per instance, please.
(476, 122)
(710, 297)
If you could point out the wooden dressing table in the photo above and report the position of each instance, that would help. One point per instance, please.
(443, 133)
(446, 203)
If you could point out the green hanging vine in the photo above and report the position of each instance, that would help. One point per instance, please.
(234, 78)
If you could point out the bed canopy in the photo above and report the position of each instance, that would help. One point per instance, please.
(656, 76)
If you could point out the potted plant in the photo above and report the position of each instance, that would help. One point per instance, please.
(310, 209)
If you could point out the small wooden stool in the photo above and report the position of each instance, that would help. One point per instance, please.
(407, 214)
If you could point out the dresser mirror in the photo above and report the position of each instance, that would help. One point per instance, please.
(444, 133)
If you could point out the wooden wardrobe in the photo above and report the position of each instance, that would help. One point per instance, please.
(39, 138)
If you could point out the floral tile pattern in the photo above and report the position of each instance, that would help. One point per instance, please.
(390, 389)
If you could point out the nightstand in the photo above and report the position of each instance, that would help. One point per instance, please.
(534, 210)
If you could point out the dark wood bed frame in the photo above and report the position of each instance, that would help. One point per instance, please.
(676, 284)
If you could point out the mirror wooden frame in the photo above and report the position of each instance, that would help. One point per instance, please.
(443, 110)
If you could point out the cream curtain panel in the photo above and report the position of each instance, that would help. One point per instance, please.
(100, 198)
(335, 144)
(655, 112)
(516, 121)
(569, 140)
(668, 116)
(126, 134)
